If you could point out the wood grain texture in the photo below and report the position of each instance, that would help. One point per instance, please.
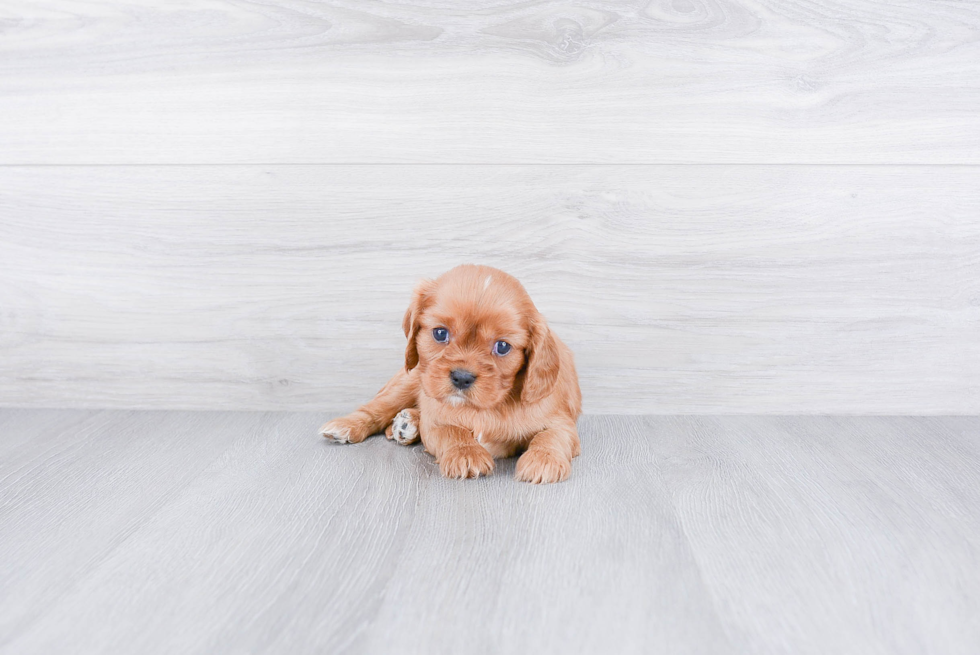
(880, 510)
(680, 289)
(227, 533)
(341, 81)
(75, 485)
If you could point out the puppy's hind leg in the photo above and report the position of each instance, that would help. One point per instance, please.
(376, 415)
(404, 428)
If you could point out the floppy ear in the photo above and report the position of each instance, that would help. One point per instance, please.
(410, 324)
(542, 362)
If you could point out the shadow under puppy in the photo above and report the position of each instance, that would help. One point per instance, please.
(484, 377)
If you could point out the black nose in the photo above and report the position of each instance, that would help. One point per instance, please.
(462, 379)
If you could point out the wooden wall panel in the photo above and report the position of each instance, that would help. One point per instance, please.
(603, 81)
(680, 289)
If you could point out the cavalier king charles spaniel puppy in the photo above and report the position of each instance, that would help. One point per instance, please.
(484, 377)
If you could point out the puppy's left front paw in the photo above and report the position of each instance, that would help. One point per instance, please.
(542, 467)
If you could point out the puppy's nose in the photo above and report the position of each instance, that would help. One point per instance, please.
(462, 379)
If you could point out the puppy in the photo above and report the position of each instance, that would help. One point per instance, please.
(484, 377)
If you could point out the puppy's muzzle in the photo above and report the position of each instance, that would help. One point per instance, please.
(462, 379)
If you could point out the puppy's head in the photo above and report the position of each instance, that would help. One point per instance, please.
(478, 340)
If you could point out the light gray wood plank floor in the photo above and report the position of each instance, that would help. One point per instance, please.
(244, 533)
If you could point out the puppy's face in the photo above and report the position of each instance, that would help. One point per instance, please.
(478, 340)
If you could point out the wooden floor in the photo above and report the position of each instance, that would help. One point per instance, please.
(184, 532)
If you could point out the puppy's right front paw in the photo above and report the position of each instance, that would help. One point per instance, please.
(466, 462)
(345, 430)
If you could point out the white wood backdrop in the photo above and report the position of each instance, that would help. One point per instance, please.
(723, 206)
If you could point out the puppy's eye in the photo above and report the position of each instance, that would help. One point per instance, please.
(441, 335)
(501, 348)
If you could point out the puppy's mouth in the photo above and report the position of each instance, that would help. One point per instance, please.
(456, 398)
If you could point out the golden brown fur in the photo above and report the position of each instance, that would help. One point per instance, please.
(527, 399)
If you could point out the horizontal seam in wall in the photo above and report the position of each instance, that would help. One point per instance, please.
(534, 164)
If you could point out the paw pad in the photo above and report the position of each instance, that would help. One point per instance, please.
(404, 427)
